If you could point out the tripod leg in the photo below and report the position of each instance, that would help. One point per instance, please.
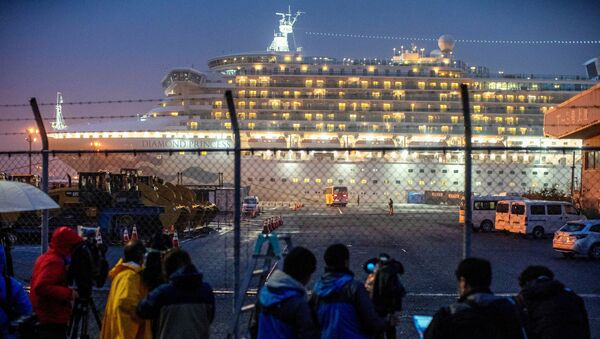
(84, 324)
(74, 326)
(74, 321)
(96, 314)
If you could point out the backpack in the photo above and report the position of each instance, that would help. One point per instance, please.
(388, 291)
(472, 320)
(25, 326)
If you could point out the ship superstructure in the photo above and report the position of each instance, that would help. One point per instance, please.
(286, 99)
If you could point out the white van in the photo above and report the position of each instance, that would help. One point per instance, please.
(484, 211)
(502, 218)
(539, 217)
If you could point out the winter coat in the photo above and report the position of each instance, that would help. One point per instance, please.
(126, 291)
(478, 315)
(284, 311)
(19, 301)
(184, 307)
(344, 309)
(553, 311)
(50, 295)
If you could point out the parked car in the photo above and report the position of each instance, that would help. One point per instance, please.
(251, 206)
(578, 238)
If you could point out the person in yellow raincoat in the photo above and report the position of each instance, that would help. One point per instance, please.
(126, 291)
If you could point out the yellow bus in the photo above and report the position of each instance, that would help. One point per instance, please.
(336, 195)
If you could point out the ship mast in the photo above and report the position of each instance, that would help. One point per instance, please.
(58, 123)
(286, 26)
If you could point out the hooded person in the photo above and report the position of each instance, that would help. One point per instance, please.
(185, 306)
(388, 291)
(342, 303)
(50, 294)
(283, 309)
(126, 291)
(152, 275)
(14, 302)
(551, 310)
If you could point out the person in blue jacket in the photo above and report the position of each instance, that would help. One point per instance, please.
(14, 304)
(342, 303)
(283, 309)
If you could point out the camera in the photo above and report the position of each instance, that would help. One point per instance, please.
(89, 266)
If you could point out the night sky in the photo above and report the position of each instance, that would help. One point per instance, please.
(102, 50)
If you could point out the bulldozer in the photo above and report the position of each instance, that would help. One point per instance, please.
(124, 200)
(187, 211)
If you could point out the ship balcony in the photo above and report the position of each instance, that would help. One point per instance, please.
(320, 143)
(267, 142)
(382, 71)
(360, 127)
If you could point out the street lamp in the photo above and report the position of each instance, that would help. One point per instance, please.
(31, 137)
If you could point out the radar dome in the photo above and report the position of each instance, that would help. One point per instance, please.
(436, 53)
(446, 43)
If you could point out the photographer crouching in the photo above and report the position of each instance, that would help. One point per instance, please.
(51, 295)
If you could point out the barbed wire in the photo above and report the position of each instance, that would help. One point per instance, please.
(87, 117)
(91, 102)
(477, 41)
(257, 120)
(12, 133)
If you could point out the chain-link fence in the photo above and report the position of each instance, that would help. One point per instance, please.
(403, 202)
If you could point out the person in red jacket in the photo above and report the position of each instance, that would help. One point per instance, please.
(50, 294)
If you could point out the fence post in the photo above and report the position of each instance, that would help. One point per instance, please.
(40, 124)
(237, 198)
(467, 228)
(573, 176)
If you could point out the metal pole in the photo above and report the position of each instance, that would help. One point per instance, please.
(29, 140)
(464, 90)
(237, 199)
(573, 176)
(40, 124)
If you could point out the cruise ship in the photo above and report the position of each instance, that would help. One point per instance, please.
(287, 99)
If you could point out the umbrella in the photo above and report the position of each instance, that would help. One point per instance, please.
(17, 196)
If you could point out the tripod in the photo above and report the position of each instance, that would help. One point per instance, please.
(80, 317)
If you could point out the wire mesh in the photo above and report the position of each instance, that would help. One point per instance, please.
(402, 202)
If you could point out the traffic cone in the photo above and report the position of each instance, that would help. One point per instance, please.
(125, 236)
(134, 233)
(98, 236)
(175, 240)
